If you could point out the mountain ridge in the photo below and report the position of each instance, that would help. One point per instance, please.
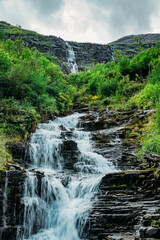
(86, 54)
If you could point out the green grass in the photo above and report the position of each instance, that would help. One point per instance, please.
(5, 156)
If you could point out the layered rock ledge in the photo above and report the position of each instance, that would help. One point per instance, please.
(128, 204)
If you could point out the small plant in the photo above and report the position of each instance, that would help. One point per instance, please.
(158, 115)
(155, 223)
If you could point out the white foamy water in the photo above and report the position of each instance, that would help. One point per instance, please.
(57, 201)
(71, 60)
(5, 199)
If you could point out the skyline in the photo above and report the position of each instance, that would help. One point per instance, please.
(94, 21)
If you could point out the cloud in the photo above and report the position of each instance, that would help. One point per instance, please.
(100, 21)
(46, 7)
(123, 17)
(78, 23)
(26, 12)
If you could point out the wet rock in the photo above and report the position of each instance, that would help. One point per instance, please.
(9, 233)
(153, 232)
(13, 167)
(123, 202)
(70, 154)
(152, 161)
(11, 208)
(69, 145)
(124, 198)
(17, 149)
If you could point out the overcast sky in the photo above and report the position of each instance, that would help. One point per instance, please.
(100, 21)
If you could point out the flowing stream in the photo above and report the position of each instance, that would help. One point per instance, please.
(71, 60)
(57, 198)
(5, 198)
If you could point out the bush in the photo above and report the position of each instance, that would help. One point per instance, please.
(124, 66)
(94, 82)
(154, 76)
(158, 115)
(17, 117)
(151, 141)
(148, 97)
(5, 63)
(108, 87)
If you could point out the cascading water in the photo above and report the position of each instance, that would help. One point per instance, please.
(5, 198)
(57, 200)
(71, 60)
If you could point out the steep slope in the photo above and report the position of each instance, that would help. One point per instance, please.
(132, 44)
(85, 53)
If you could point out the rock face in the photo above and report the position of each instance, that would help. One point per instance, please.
(109, 137)
(70, 153)
(17, 149)
(86, 54)
(91, 54)
(11, 210)
(145, 38)
(129, 45)
(127, 204)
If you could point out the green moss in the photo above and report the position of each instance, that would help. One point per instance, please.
(142, 176)
(5, 156)
(156, 223)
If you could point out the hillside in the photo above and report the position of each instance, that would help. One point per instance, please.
(90, 135)
(132, 44)
(86, 54)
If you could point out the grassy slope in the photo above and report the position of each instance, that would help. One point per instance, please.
(32, 89)
(124, 84)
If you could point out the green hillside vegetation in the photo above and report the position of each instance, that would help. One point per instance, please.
(126, 84)
(33, 88)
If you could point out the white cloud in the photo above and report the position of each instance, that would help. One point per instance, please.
(83, 20)
(155, 20)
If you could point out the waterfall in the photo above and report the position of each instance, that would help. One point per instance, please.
(71, 60)
(56, 199)
(5, 199)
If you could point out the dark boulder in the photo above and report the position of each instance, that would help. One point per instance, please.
(11, 210)
(17, 149)
(70, 154)
(153, 232)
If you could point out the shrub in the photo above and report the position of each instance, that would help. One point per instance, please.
(151, 143)
(158, 114)
(17, 117)
(94, 82)
(148, 97)
(124, 66)
(154, 76)
(5, 63)
(108, 87)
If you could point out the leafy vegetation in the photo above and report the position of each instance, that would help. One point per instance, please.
(4, 155)
(32, 88)
(126, 84)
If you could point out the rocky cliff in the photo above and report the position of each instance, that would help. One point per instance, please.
(11, 209)
(86, 54)
(91, 54)
(132, 44)
(127, 204)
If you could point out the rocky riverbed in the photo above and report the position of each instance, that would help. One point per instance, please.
(128, 202)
